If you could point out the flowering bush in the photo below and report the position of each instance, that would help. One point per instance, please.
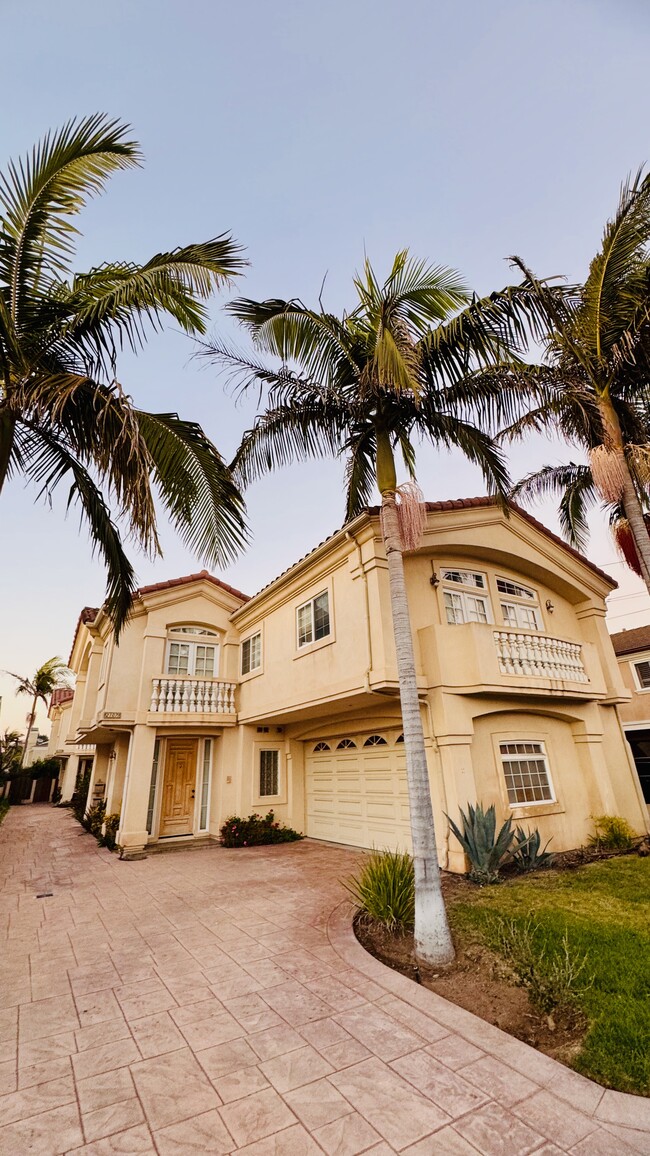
(255, 830)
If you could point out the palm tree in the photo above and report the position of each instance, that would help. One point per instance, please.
(365, 386)
(594, 387)
(52, 674)
(63, 414)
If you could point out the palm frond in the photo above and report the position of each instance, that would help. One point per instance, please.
(288, 433)
(39, 194)
(317, 342)
(360, 471)
(48, 462)
(414, 293)
(196, 487)
(574, 484)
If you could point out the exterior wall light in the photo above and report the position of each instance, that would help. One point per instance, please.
(549, 606)
(434, 579)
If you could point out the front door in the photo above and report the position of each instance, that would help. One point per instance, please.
(177, 814)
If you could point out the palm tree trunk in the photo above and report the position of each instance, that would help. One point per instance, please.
(433, 942)
(30, 724)
(629, 497)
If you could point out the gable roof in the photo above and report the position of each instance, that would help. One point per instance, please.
(628, 641)
(201, 576)
(60, 695)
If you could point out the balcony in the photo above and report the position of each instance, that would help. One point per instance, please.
(538, 656)
(196, 696)
(476, 658)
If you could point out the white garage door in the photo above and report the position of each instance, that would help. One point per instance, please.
(356, 791)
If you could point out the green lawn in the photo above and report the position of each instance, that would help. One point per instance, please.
(606, 909)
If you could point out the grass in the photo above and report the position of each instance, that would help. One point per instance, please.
(605, 909)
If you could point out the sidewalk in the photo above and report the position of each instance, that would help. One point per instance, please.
(216, 1001)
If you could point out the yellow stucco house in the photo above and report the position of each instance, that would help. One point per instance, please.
(216, 704)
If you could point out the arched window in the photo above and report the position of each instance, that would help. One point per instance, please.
(375, 741)
(399, 739)
(321, 747)
(346, 745)
(192, 651)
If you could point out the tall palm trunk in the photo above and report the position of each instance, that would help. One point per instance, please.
(30, 722)
(433, 943)
(629, 497)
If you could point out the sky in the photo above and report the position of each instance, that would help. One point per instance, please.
(316, 133)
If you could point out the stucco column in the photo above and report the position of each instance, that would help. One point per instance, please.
(460, 789)
(69, 777)
(117, 773)
(99, 773)
(132, 835)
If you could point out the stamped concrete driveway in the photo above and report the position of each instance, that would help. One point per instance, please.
(216, 1001)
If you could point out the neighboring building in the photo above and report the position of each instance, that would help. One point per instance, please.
(216, 704)
(632, 649)
(76, 758)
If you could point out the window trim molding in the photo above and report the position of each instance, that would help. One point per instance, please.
(642, 656)
(328, 639)
(274, 800)
(447, 586)
(517, 811)
(256, 670)
(534, 604)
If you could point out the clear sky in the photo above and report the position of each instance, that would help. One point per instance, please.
(464, 131)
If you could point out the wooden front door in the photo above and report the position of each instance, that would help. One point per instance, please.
(177, 814)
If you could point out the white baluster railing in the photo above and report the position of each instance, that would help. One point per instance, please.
(537, 656)
(192, 696)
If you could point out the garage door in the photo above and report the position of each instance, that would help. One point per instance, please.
(356, 790)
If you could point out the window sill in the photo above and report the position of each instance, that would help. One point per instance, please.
(310, 647)
(251, 674)
(532, 810)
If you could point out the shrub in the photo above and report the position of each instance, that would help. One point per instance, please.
(552, 978)
(56, 795)
(43, 769)
(384, 888)
(80, 795)
(613, 833)
(484, 848)
(111, 823)
(526, 853)
(94, 820)
(255, 831)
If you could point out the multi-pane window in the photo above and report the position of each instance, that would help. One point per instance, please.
(198, 659)
(269, 773)
(313, 619)
(251, 653)
(205, 784)
(526, 773)
(465, 578)
(642, 671)
(462, 603)
(521, 609)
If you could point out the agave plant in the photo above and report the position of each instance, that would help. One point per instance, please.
(484, 848)
(526, 852)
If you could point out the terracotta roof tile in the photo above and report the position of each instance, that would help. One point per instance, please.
(202, 575)
(627, 641)
(62, 694)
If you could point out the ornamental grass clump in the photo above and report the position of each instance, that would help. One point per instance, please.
(256, 831)
(613, 833)
(554, 975)
(384, 889)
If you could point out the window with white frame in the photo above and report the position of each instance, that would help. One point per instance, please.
(313, 619)
(519, 606)
(525, 768)
(192, 651)
(462, 597)
(251, 653)
(642, 674)
(269, 773)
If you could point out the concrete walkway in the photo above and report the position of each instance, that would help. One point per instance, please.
(216, 1001)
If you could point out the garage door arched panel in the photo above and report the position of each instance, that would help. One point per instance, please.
(358, 794)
